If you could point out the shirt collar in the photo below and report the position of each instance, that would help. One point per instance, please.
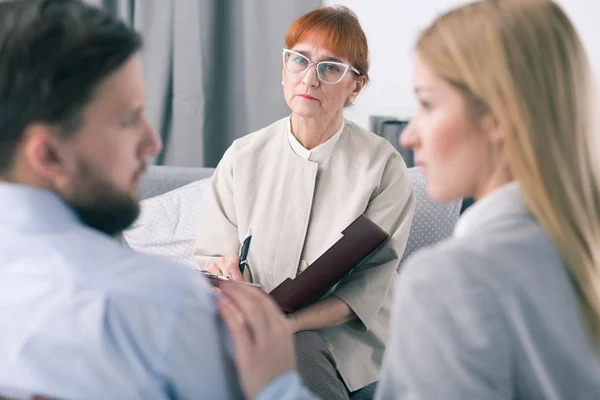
(24, 204)
(320, 152)
(505, 199)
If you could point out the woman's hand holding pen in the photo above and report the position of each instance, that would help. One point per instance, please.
(228, 266)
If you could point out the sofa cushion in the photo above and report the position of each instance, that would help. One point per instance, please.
(160, 179)
(168, 223)
(432, 221)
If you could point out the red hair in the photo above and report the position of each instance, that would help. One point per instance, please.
(336, 29)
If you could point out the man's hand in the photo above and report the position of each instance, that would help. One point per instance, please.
(228, 266)
(261, 336)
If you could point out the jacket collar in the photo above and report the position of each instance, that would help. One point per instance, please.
(505, 201)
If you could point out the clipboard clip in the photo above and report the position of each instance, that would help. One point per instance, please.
(216, 279)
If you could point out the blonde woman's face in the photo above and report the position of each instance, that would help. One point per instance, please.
(453, 151)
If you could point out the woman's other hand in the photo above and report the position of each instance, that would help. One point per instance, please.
(228, 266)
(261, 335)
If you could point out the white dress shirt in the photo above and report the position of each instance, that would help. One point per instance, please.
(83, 317)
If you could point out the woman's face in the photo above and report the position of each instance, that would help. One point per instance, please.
(455, 151)
(307, 96)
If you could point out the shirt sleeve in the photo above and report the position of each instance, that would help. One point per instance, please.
(176, 335)
(448, 339)
(367, 287)
(198, 351)
(285, 387)
(217, 235)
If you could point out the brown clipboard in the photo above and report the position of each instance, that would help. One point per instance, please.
(359, 240)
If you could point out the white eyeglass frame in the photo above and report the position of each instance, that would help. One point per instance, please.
(347, 67)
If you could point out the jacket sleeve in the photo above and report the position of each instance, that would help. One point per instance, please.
(447, 326)
(392, 208)
(217, 234)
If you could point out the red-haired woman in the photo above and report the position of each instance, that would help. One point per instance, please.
(297, 184)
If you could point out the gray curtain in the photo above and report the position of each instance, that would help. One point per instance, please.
(213, 69)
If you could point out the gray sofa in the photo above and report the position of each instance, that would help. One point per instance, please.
(432, 222)
(172, 204)
(158, 179)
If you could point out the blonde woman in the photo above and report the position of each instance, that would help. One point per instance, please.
(509, 308)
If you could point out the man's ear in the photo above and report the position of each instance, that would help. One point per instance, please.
(47, 155)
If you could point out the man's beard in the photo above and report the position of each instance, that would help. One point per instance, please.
(99, 204)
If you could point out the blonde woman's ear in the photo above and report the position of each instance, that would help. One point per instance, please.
(492, 128)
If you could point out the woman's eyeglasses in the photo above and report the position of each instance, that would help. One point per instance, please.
(330, 72)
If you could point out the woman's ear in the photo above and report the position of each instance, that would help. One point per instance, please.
(359, 84)
(491, 128)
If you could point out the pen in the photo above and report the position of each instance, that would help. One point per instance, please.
(244, 251)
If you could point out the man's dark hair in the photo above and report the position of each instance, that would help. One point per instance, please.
(53, 55)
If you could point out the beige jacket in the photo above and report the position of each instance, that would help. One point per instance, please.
(297, 209)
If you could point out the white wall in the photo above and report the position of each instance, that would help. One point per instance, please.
(392, 27)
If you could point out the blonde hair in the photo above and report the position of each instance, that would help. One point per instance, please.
(523, 62)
